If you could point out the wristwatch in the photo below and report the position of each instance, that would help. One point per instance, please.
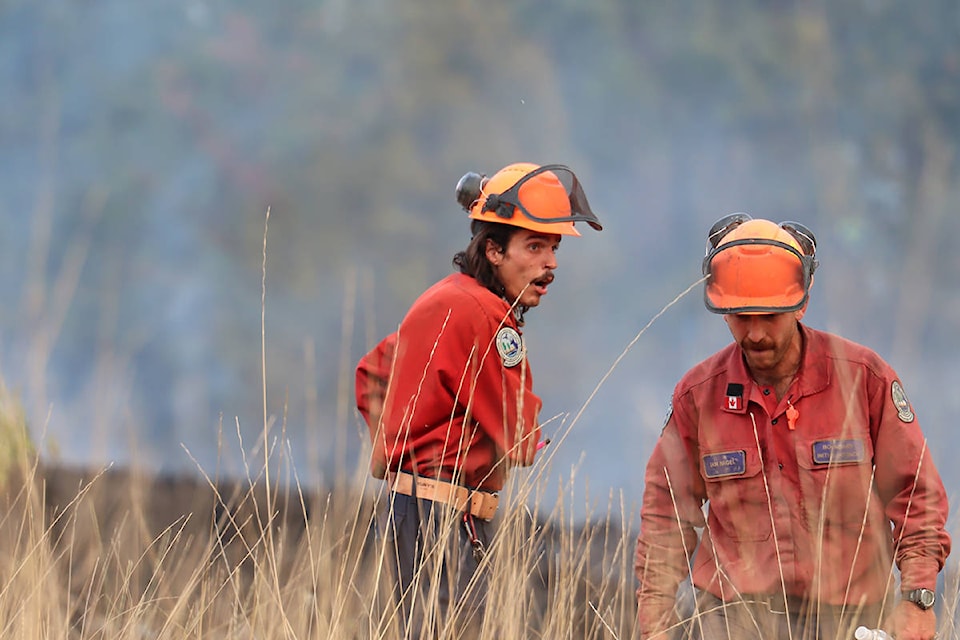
(923, 598)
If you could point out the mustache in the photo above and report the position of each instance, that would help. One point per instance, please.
(544, 280)
(763, 345)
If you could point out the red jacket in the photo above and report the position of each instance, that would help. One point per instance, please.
(449, 395)
(789, 494)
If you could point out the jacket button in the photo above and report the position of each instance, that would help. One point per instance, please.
(766, 392)
(774, 421)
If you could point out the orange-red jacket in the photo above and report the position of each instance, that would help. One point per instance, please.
(449, 395)
(801, 493)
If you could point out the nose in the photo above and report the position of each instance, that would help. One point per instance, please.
(551, 259)
(756, 328)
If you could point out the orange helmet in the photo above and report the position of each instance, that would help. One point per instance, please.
(548, 199)
(758, 266)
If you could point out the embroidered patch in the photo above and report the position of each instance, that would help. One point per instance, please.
(509, 346)
(837, 451)
(728, 463)
(904, 410)
(734, 396)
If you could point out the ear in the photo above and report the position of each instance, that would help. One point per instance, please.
(493, 252)
(799, 313)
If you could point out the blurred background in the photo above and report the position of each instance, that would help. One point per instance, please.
(142, 145)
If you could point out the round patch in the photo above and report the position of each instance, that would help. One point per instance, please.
(509, 346)
(904, 410)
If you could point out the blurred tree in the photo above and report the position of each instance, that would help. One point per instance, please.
(141, 146)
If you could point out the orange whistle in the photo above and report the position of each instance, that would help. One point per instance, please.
(792, 415)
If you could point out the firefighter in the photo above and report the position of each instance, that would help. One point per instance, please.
(448, 398)
(793, 464)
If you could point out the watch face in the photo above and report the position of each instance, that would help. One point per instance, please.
(923, 598)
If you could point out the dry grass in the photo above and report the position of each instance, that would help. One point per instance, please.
(113, 554)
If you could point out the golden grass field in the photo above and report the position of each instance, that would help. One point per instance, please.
(91, 554)
(114, 554)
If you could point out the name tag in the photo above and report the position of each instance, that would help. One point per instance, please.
(837, 451)
(728, 463)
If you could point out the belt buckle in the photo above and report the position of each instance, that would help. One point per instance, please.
(777, 604)
(773, 602)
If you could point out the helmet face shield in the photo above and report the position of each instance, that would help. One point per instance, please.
(524, 196)
(757, 266)
(755, 276)
(803, 236)
(722, 227)
(547, 199)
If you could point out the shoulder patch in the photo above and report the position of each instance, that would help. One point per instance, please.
(510, 346)
(900, 401)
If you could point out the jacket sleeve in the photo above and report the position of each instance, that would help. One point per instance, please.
(913, 494)
(670, 514)
(371, 380)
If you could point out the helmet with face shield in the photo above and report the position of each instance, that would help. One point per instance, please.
(757, 266)
(547, 199)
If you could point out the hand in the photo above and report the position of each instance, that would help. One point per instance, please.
(910, 622)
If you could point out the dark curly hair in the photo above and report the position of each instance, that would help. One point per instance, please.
(473, 262)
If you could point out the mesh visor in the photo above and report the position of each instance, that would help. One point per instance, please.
(526, 196)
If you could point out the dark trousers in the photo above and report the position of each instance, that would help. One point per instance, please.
(765, 618)
(440, 586)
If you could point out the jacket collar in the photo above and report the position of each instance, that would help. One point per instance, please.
(814, 371)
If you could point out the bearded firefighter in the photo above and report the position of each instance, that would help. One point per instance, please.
(791, 479)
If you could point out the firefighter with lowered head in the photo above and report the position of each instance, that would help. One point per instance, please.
(793, 463)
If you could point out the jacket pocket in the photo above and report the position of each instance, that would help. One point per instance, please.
(835, 480)
(739, 508)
